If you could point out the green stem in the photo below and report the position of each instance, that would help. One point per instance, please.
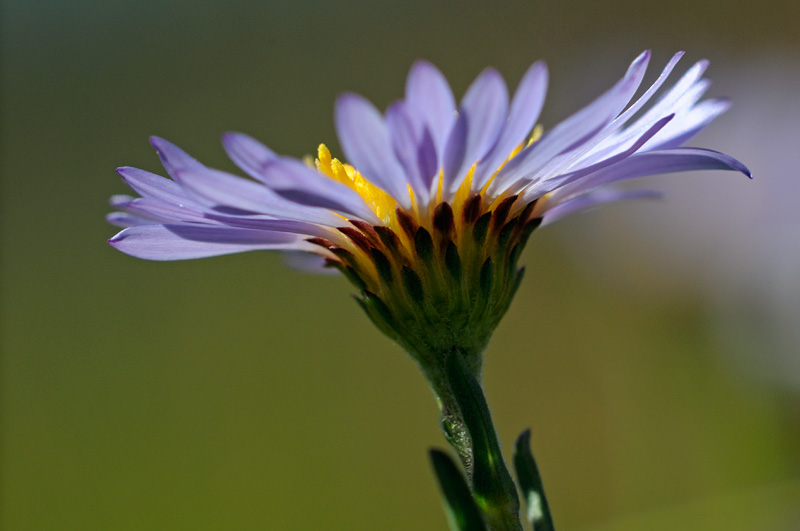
(468, 427)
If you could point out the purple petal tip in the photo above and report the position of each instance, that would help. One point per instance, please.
(230, 136)
(160, 145)
(423, 64)
(739, 166)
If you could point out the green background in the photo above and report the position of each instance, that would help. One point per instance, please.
(235, 393)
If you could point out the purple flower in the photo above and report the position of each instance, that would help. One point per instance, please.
(436, 197)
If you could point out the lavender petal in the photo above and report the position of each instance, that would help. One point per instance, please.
(151, 185)
(689, 124)
(303, 228)
(247, 153)
(296, 182)
(575, 130)
(220, 189)
(125, 219)
(541, 187)
(365, 141)
(183, 242)
(172, 157)
(160, 211)
(413, 146)
(482, 114)
(308, 263)
(652, 163)
(429, 96)
(525, 109)
(593, 199)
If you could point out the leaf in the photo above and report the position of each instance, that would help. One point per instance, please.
(462, 512)
(538, 511)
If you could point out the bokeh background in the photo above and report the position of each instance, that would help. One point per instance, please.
(653, 348)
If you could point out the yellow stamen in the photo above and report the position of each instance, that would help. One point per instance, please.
(463, 192)
(382, 203)
(536, 134)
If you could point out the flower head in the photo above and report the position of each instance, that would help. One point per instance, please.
(434, 201)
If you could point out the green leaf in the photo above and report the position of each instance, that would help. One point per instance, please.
(538, 511)
(462, 512)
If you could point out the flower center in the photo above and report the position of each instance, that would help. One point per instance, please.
(437, 274)
(385, 206)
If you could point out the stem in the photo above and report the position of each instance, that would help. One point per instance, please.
(468, 427)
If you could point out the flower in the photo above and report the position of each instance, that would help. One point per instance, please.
(436, 201)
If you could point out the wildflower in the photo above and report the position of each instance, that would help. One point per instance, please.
(435, 202)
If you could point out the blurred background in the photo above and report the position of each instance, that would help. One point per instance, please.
(653, 348)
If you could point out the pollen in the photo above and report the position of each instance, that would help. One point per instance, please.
(381, 203)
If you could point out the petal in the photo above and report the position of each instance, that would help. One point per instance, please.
(161, 211)
(543, 186)
(151, 185)
(611, 141)
(482, 114)
(678, 100)
(366, 144)
(296, 182)
(689, 124)
(124, 219)
(220, 189)
(652, 163)
(309, 263)
(429, 96)
(182, 242)
(172, 157)
(644, 98)
(592, 199)
(282, 225)
(525, 109)
(574, 131)
(414, 148)
(671, 101)
(247, 153)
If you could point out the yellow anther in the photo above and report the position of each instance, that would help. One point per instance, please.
(324, 155)
(339, 172)
(463, 192)
(536, 134)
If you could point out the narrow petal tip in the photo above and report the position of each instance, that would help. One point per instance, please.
(736, 165)
(347, 98)
(116, 238)
(540, 66)
(229, 137)
(170, 152)
(232, 137)
(158, 143)
(423, 67)
(119, 200)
